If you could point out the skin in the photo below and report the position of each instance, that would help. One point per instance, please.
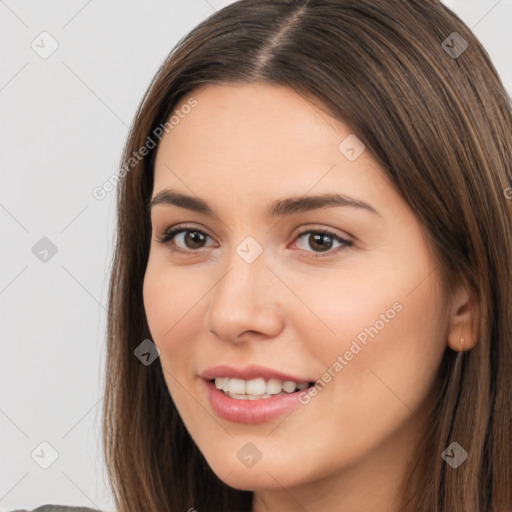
(241, 148)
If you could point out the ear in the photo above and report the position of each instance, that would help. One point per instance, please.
(462, 320)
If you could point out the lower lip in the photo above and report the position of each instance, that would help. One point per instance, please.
(250, 411)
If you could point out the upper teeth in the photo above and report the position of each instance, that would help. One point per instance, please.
(257, 386)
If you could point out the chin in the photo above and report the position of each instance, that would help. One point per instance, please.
(269, 474)
(246, 480)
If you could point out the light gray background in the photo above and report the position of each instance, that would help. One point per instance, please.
(64, 121)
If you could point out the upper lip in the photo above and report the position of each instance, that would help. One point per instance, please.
(248, 373)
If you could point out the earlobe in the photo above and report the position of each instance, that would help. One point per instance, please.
(462, 340)
(460, 343)
(462, 334)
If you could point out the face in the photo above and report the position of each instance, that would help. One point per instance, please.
(295, 261)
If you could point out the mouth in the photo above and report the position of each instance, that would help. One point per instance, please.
(253, 401)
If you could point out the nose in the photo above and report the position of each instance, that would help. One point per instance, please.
(246, 302)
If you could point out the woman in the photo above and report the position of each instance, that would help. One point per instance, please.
(310, 299)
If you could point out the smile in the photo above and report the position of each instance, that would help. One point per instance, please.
(252, 408)
(256, 389)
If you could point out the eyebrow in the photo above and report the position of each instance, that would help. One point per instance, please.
(278, 208)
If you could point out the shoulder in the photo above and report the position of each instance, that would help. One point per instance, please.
(59, 508)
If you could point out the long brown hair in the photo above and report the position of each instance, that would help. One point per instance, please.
(436, 117)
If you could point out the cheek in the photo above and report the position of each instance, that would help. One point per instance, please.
(352, 304)
(396, 368)
(167, 297)
(169, 302)
(378, 330)
(169, 305)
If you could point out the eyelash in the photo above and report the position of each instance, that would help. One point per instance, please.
(170, 234)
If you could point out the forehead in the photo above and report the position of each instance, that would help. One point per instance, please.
(252, 119)
(259, 142)
(240, 129)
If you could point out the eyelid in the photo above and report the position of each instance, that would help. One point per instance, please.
(316, 228)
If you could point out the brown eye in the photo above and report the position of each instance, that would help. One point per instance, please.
(185, 239)
(321, 242)
(194, 239)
